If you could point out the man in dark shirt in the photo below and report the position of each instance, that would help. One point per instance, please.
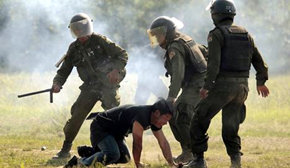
(109, 129)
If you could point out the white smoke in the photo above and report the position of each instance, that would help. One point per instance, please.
(34, 34)
(265, 20)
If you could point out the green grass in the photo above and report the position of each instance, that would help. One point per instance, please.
(29, 123)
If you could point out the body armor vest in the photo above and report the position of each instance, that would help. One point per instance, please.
(236, 54)
(194, 59)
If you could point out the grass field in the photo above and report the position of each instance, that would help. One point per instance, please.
(27, 124)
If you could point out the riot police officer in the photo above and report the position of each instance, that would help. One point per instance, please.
(101, 66)
(186, 65)
(231, 52)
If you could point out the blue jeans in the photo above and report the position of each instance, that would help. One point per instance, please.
(111, 151)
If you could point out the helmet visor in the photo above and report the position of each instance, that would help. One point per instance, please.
(81, 28)
(156, 35)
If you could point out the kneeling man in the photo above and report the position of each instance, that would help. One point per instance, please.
(108, 131)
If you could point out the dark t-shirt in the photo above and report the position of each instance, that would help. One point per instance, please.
(119, 121)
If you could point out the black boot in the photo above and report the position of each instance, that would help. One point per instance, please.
(184, 158)
(64, 152)
(72, 162)
(197, 162)
(236, 160)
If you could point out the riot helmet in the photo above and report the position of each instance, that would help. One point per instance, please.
(163, 28)
(81, 25)
(221, 10)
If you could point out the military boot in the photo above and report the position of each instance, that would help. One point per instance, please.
(236, 161)
(64, 152)
(197, 162)
(184, 157)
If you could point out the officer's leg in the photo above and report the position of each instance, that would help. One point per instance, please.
(200, 121)
(183, 125)
(174, 120)
(185, 108)
(232, 116)
(83, 105)
(230, 127)
(231, 119)
(204, 112)
(110, 98)
(173, 126)
(80, 109)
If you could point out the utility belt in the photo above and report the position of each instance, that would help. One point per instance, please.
(92, 83)
(230, 79)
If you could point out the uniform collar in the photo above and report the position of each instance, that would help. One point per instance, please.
(225, 23)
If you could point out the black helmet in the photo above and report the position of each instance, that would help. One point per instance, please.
(163, 21)
(81, 25)
(222, 7)
(165, 26)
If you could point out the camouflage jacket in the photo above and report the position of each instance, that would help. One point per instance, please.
(93, 59)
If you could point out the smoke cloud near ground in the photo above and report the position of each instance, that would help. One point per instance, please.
(34, 33)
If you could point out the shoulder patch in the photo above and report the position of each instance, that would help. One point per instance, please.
(171, 54)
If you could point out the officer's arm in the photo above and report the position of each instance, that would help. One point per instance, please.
(204, 51)
(119, 55)
(178, 69)
(214, 58)
(164, 145)
(64, 71)
(260, 66)
(137, 132)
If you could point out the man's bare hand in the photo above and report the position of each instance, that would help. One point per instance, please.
(114, 76)
(263, 90)
(55, 88)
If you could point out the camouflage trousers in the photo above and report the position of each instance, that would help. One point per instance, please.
(84, 104)
(185, 104)
(228, 96)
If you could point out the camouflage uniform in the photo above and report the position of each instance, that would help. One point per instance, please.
(184, 77)
(94, 60)
(231, 52)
